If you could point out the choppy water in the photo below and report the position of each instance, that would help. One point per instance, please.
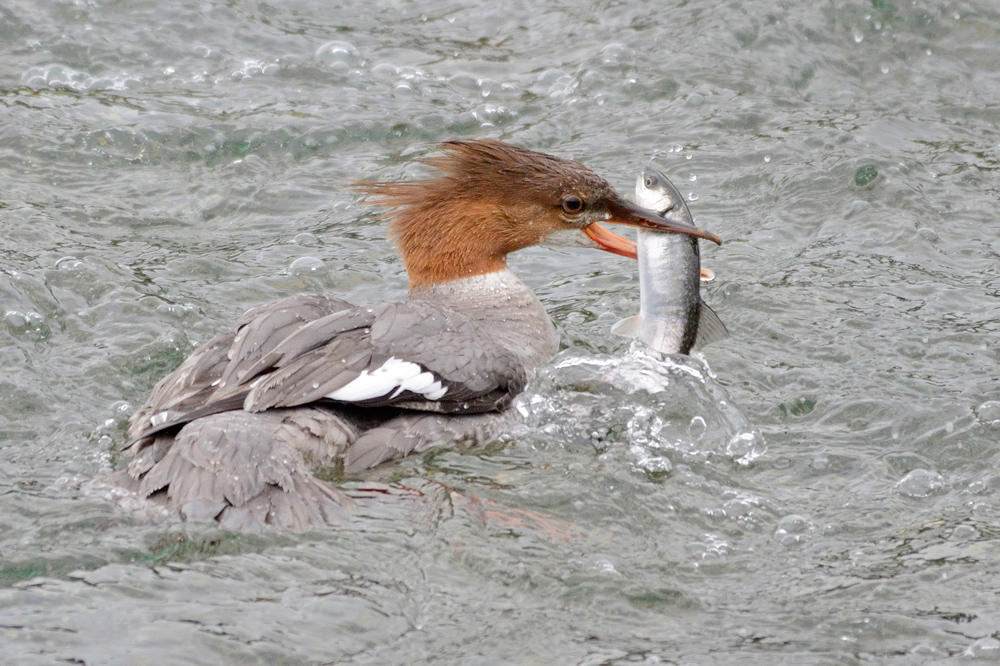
(831, 495)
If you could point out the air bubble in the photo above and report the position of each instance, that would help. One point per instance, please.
(304, 265)
(988, 413)
(745, 447)
(305, 239)
(336, 52)
(794, 530)
(920, 483)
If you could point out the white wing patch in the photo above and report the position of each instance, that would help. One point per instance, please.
(159, 418)
(394, 376)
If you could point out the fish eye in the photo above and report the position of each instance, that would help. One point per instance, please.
(572, 204)
(650, 182)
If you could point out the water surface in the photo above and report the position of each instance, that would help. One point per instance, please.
(820, 488)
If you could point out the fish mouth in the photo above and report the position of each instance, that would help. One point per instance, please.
(624, 212)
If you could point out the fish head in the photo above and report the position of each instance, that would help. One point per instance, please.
(655, 192)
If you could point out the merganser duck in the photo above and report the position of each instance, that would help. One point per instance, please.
(233, 434)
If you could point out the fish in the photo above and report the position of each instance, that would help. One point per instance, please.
(673, 318)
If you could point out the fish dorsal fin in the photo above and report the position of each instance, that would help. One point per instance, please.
(710, 327)
(630, 327)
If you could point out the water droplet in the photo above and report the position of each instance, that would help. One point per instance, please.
(336, 52)
(964, 533)
(793, 530)
(884, 68)
(692, 178)
(988, 413)
(745, 447)
(767, 158)
(306, 265)
(710, 547)
(651, 464)
(605, 567)
(920, 483)
(15, 319)
(305, 239)
(697, 427)
(858, 35)
(68, 264)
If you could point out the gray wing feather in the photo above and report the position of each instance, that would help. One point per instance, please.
(189, 386)
(279, 357)
(376, 446)
(308, 337)
(260, 329)
(249, 469)
(479, 375)
(197, 381)
(309, 377)
(409, 433)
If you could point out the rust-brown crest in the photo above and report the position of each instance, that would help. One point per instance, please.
(490, 199)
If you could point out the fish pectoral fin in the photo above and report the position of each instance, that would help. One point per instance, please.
(707, 274)
(630, 327)
(710, 327)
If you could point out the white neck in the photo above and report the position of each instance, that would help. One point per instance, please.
(513, 315)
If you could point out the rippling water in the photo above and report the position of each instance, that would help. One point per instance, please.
(820, 488)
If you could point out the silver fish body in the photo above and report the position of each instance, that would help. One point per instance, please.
(672, 319)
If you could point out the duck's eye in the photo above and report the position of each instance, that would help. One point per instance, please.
(572, 204)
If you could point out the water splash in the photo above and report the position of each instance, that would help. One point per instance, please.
(660, 410)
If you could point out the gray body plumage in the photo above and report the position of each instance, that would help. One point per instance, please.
(234, 432)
